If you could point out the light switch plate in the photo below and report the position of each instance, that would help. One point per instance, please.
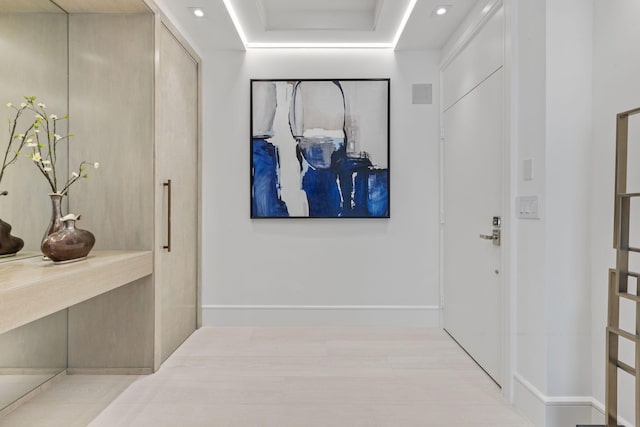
(527, 170)
(528, 207)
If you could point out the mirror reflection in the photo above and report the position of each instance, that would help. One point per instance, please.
(33, 40)
(31, 355)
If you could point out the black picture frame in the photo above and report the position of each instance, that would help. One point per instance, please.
(335, 133)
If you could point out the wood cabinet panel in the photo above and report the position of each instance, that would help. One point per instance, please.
(113, 332)
(111, 113)
(134, 97)
(177, 151)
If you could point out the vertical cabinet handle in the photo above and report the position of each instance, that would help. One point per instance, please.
(168, 185)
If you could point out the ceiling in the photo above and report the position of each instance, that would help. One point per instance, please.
(317, 23)
(241, 24)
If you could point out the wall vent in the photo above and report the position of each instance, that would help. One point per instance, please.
(421, 93)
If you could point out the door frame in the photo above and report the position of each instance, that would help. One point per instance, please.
(509, 172)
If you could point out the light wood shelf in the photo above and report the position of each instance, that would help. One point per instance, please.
(34, 288)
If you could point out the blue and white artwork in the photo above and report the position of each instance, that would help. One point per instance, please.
(320, 148)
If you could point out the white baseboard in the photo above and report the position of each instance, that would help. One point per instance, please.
(322, 315)
(556, 411)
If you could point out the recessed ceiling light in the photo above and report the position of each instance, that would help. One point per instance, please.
(441, 9)
(197, 11)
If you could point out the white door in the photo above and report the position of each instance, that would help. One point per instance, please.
(472, 187)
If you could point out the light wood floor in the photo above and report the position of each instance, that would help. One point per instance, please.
(298, 377)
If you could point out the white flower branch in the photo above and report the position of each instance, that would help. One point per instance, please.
(16, 140)
(44, 151)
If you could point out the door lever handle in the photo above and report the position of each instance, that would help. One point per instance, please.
(495, 237)
(487, 237)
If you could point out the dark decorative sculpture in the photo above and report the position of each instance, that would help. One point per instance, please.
(9, 245)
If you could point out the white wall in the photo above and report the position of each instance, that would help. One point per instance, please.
(262, 271)
(530, 290)
(616, 88)
(568, 140)
(554, 130)
(577, 67)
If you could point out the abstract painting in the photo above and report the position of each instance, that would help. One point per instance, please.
(320, 148)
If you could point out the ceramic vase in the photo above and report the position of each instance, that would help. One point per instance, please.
(56, 216)
(69, 243)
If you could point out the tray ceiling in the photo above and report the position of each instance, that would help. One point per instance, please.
(266, 23)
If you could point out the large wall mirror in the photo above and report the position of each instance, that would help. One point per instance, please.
(34, 62)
